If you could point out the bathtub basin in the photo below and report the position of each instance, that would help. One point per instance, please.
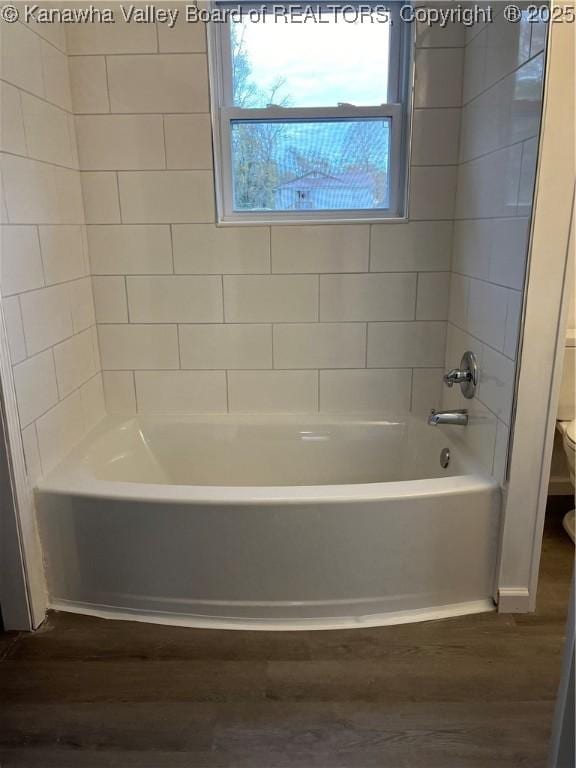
(272, 522)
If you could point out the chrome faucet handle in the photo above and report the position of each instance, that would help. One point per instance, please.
(466, 376)
(457, 376)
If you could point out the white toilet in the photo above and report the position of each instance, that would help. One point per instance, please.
(566, 418)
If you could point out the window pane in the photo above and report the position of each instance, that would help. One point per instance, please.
(310, 64)
(289, 165)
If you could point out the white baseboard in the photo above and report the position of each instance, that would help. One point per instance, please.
(513, 600)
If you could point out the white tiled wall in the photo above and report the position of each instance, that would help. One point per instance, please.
(196, 317)
(502, 94)
(193, 317)
(44, 268)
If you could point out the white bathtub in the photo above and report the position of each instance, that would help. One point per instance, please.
(269, 522)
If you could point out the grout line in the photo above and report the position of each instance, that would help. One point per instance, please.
(42, 98)
(133, 372)
(165, 147)
(120, 54)
(178, 346)
(127, 299)
(44, 39)
(508, 74)
(223, 301)
(107, 84)
(171, 226)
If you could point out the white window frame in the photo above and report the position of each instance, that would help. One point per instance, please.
(398, 110)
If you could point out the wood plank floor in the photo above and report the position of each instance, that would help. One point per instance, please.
(471, 692)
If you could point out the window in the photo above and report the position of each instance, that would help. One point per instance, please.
(310, 112)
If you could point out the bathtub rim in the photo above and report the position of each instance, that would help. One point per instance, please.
(73, 476)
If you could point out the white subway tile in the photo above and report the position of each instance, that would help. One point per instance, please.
(411, 246)
(127, 347)
(35, 384)
(527, 177)
(100, 193)
(14, 329)
(406, 345)
(474, 67)
(110, 301)
(30, 191)
(507, 46)
(118, 37)
(390, 296)
(449, 35)
(500, 452)
(320, 345)
(513, 317)
(433, 296)
(31, 454)
(120, 142)
(88, 84)
(62, 253)
(59, 430)
(56, 76)
(181, 391)
(159, 83)
(68, 196)
(12, 136)
(46, 131)
(46, 317)
(273, 391)
(96, 347)
(74, 359)
(488, 187)
(185, 36)
(480, 434)
(427, 385)
(225, 346)
(320, 248)
(21, 262)
(505, 114)
(92, 401)
(538, 37)
(487, 307)
(206, 249)
(473, 247)
(129, 249)
(53, 32)
(270, 298)
(385, 391)
(82, 303)
(435, 134)
(458, 342)
(438, 78)
(188, 141)
(178, 299)
(433, 191)
(3, 205)
(21, 58)
(157, 197)
(497, 383)
(509, 251)
(119, 392)
(459, 300)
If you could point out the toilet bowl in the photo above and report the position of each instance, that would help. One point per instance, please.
(567, 416)
(568, 431)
